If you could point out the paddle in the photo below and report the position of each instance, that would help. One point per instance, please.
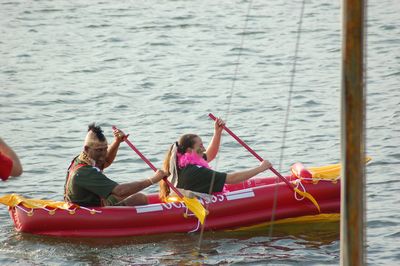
(191, 203)
(290, 185)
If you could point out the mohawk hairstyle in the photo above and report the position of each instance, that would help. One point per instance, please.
(97, 129)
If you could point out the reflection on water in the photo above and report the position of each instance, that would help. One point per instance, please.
(217, 247)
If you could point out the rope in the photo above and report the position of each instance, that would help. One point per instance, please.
(286, 122)
(299, 184)
(228, 110)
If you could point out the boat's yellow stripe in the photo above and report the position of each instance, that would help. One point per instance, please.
(331, 217)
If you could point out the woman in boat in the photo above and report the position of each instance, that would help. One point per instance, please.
(86, 184)
(187, 165)
(10, 164)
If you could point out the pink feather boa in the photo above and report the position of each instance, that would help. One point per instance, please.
(191, 158)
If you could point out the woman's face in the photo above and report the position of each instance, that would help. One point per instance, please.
(198, 146)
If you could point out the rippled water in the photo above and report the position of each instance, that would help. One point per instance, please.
(156, 69)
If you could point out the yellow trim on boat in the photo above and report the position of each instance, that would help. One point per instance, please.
(331, 217)
(13, 200)
(330, 172)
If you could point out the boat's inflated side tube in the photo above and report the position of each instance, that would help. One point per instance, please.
(299, 171)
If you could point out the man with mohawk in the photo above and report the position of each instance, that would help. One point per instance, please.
(86, 185)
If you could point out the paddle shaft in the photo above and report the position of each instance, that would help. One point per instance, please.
(151, 165)
(252, 152)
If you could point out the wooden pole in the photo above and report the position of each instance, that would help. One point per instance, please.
(353, 204)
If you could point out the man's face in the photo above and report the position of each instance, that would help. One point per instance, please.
(98, 153)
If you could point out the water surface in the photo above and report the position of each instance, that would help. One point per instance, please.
(156, 69)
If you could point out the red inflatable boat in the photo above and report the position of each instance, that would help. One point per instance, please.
(252, 203)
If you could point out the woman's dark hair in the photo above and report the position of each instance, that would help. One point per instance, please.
(97, 130)
(185, 141)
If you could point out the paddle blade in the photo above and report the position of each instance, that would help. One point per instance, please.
(310, 197)
(195, 206)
